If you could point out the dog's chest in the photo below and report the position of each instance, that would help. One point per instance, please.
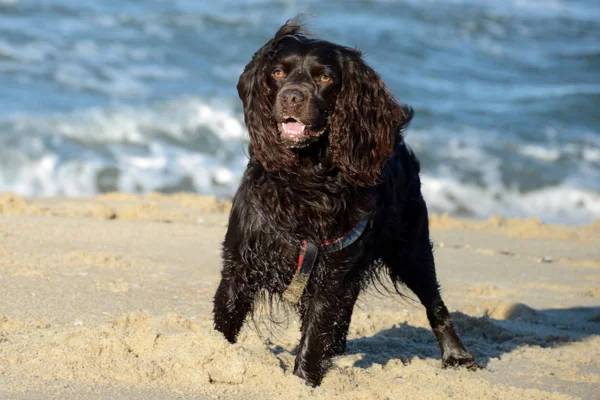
(309, 216)
(308, 206)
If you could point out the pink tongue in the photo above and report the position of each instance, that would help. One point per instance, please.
(293, 128)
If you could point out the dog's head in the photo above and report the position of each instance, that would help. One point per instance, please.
(299, 92)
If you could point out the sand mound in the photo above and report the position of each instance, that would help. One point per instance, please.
(510, 310)
(13, 204)
(170, 351)
(136, 348)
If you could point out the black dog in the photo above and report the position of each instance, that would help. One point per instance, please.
(327, 161)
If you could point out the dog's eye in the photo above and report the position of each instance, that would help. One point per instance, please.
(324, 79)
(278, 74)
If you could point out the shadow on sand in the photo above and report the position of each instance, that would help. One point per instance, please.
(484, 337)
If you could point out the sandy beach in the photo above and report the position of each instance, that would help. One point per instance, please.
(111, 297)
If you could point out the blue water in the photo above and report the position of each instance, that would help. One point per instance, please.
(101, 95)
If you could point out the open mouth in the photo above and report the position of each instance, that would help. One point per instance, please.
(296, 134)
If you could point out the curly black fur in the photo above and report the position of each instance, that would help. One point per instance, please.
(359, 167)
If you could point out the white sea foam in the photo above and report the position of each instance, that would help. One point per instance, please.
(67, 154)
(539, 152)
(468, 179)
(561, 203)
(591, 154)
(195, 144)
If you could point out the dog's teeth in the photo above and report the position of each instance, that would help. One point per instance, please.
(294, 128)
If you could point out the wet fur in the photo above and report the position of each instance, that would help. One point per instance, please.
(361, 168)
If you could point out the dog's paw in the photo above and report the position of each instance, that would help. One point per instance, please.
(308, 380)
(312, 377)
(461, 361)
(230, 335)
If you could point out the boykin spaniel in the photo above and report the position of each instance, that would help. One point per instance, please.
(330, 200)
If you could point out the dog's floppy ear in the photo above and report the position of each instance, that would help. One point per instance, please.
(257, 98)
(365, 122)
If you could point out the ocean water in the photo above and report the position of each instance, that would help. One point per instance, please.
(102, 95)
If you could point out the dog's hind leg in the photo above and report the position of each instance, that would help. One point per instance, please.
(415, 268)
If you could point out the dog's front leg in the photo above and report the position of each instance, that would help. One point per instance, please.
(235, 295)
(326, 311)
(233, 300)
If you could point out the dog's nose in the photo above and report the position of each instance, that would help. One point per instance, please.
(292, 97)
